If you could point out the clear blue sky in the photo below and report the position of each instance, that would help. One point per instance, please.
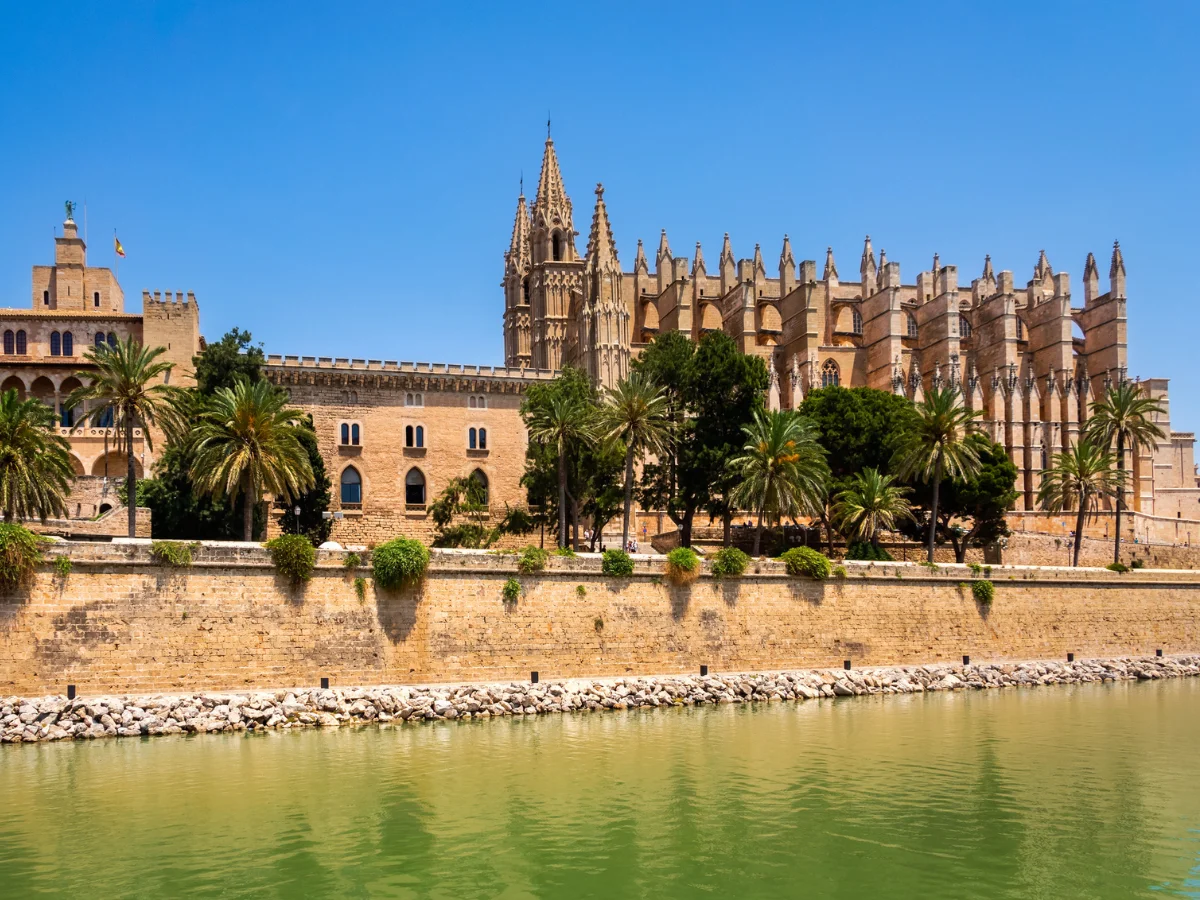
(341, 181)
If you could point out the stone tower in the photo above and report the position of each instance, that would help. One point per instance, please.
(600, 315)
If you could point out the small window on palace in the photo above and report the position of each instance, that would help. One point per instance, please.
(482, 480)
(964, 326)
(830, 375)
(10, 343)
(112, 339)
(471, 438)
(414, 399)
(856, 322)
(414, 488)
(351, 485)
(21, 345)
(482, 402)
(482, 438)
(68, 345)
(345, 434)
(96, 299)
(912, 325)
(55, 344)
(471, 402)
(414, 436)
(354, 434)
(99, 339)
(46, 298)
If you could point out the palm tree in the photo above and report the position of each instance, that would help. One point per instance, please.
(782, 468)
(635, 412)
(246, 443)
(937, 445)
(35, 462)
(124, 388)
(869, 503)
(1123, 415)
(561, 421)
(1078, 478)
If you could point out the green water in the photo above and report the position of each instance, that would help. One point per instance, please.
(1049, 793)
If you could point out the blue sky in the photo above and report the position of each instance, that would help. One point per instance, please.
(341, 179)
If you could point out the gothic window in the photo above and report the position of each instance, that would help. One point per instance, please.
(99, 338)
(112, 339)
(9, 343)
(525, 289)
(351, 485)
(420, 436)
(68, 345)
(46, 298)
(856, 322)
(414, 436)
(414, 399)
(964, 326)
(345, 433)
(55, 344)
(414, 488)
(830, 374)
(482, 480)
(556, 246)
(471, 402)
(912, 325)
(96, 299)
(471, 437)
(408, 435)
(21, 347)
(482, 438)
(68, 417)
(1020, 329)
(354, 434)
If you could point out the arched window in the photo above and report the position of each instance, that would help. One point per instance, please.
(408, 436)
(414, 488)
(345, 434)
(482, 401)
(525, 289)
(68, 344)
(106, 418)
(21, 345)
(414, 399)
(9, 342)
(482, 480)
(964, 326)
(830, 375)
(354, 434)
(556, 246)
(99, 339)
(112, 339)
(482, 438)
(46, 298)
(55, 344)
(96, 299)
(351, 485)
(471, 439)
(912, 325)
(420, 436)
(471, 402)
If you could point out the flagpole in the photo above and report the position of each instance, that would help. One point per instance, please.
(116, 259)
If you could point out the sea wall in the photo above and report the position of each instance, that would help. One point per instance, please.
(120, 623)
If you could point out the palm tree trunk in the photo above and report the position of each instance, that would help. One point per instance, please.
(1120, 495)
(562, 496)
(1079, 526)
(937, 484)
(130, 478)
(759, 529)
(628, 494)
(726, 528)
(248, 503)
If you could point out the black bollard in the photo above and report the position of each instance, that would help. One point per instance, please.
(704, 669)
(71, 687)
(966, 660)
(324, 684)
(533, 677)
(1070, 657)
(846, 664)
(1158, 652)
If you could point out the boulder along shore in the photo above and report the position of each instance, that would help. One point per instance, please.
(56, 718)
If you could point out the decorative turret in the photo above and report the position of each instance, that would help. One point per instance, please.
(517, 265)
(602, 322)
(553, 236)
(1116, 273)
(728, 266)
(883, 263)
(1091, 280)
(787, 268)
(698, 268)
(866, 268)
(639, 260)
(1042, 271)
(760, 269)
(518, 258)
(663, 263)
(830, 273)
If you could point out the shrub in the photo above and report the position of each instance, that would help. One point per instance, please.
(532, 559)
(1117, 567)
(565, 551)
(616, 564)
(729, 562)
(352, 560)
(20, 553)
(399, 562)
(930, 565)
(62, 566)
(839, 571)
(598, 624)
(580, 590)
(511, 592)
(983, 591)
(975, 568)
(1137, 564)
(683, 565)
(806, 561)
(360, 589)
(865, 550)
(171, 553)
(294, 557)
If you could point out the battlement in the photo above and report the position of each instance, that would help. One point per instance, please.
(162, 298)
(414, 368)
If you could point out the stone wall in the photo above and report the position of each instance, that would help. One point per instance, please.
(119, 623)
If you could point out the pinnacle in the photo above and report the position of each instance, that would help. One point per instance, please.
(698, 264)
(785, 255)
(868, 254)
(1118, 261)
(551, 193)
(830, 265)
(726, 249)
(664, 248)
(601, 249)
(518, 251)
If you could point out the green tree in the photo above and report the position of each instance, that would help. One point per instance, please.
(179, 513)
(871, 502)
(246, 443)
(124, 387)
(1079, 478)
(222, 363)
(314, 502)
(1124, 416)
(781, 470)
(937, 446)
(635, 414)
(461, 497)
(35, 462)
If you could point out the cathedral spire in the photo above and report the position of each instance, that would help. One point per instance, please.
(830, 265)
(785, 255)
(551, 193)
(1042, 270)
(726, 250)
(1091, 280)
(601, 250)
(758, 260)
(664, 251)
(518, 256)
(728, 266)
(882, 268)
(639, 260)
(1116, 273)
(698, 263)
(866, 268)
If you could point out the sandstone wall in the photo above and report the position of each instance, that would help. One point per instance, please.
(119, 623)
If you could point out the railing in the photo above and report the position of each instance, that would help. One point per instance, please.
(88, 431)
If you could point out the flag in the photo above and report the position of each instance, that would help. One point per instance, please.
(117, 246)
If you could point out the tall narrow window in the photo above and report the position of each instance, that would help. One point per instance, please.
(408, 436)
(99, 339)
(1020, 330)
(856, 321)
(45, 298)
(345, 434)
(96, 299)
(964, 326)
(351, 485)
(68, 344)
(525, 289)
(830, 375)
(10, 343)
(471, 402)
(68, 417)
(354, 434)
(21, 346)
(482, 438)
(471, 439)
(556, 246)
(912, 326)
(420, 436)
(482, 480)
(112, 339)
(414, 488)
(55, 344)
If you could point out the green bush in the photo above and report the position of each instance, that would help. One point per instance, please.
(839, 571)
(729, 562)
(983, 591)
(20, 554)
(352, 560)
(294, 557)
(171, 553)
(616, 564)
(399, 562)
(1117, 567)
(360, 589)
(930, 565)
(866, 551)
(511, 592)
(683, 565)
(62, 566)
(532, 559)
(1137, 564)
(806, 561)
(975, 568)
(565, 551)
(580, 590)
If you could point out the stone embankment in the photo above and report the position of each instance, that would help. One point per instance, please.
(56, 718)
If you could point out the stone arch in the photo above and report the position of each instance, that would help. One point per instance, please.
(76, 464)
(416, 487)
(68, 417)
(12, 382)
(710, 317)
(114, 463)
(480, 477)
(43, 389)
(768, 318)
(844, 319)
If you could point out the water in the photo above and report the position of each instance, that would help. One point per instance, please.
(1092, 791)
